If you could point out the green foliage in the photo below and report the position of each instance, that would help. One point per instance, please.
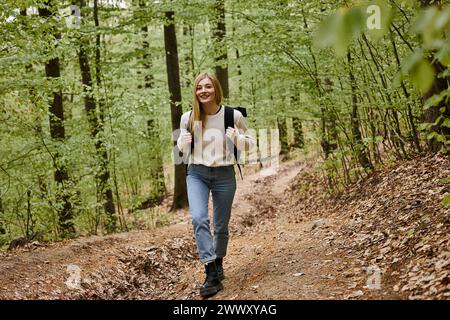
(347, 23)
(432, 25)
(281, 61)
(420, 71)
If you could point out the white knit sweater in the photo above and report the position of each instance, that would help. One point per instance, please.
(210, 147)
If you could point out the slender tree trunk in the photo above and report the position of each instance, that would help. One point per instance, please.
(58, 134)
(296, 122)
(397, 137)
(328, 139)
(189, 62)
(147, 62)
(389, 135)
(299, 140)
(410, 117)
(221, 56)
(239, 71)
(109, 205)
(157, 173)
(37, 128)
(2, 212)
(173, 79)
(103, 175)
(282, 128)
(90, 106)
(156, 169)
(361, 151)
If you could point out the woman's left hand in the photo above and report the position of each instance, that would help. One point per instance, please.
(232, 134)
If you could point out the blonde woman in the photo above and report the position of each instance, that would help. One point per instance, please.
(210, 170)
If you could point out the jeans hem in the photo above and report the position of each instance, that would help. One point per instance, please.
(208, 260)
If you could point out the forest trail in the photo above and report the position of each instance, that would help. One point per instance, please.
(277, 255)
(281, 247)
(274, 258)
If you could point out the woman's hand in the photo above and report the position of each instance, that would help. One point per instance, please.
(232, 133)
(186, 138)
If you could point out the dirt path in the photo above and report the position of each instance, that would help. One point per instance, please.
(275, 258)
(270, 256)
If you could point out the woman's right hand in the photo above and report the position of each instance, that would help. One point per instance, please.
(186, 138)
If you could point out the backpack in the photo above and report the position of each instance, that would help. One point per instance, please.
(229, 122)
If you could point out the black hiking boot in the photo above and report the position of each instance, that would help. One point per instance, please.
(219, 265)
(212, 284)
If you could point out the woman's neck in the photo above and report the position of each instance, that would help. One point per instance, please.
(210, 108)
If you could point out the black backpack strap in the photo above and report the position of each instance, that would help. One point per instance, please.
(229, 122)
(229, 117)
(188, 129)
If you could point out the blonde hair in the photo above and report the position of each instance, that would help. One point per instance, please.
(197, 113)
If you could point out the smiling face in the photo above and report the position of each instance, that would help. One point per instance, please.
(205, 91)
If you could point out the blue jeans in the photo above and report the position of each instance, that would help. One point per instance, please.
(221, 183)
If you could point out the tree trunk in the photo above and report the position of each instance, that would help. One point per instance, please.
(189, 62)
(101, 113)
(282, 129)
(396, 134)
(147, 62)
(410, 118)
(296, 121)
(173, 79)
(239, 71)
(221, 56)
(57, 132)
(2, 211)
(361, 152)
(328, 139)
(156, 169)
(90, 106)
(299, 141)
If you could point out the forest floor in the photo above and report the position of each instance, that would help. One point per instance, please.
(386, 237)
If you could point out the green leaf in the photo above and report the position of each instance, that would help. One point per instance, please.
(446, 200)
(339, 29)
(436, 136)
(411, 61)
(434, 100)
(431, 24)
(351, 26)
(446, 123)
(444, 54)
(424, 25)
(422, 75)
(326, 34)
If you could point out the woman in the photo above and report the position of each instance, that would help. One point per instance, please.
(211, 170)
